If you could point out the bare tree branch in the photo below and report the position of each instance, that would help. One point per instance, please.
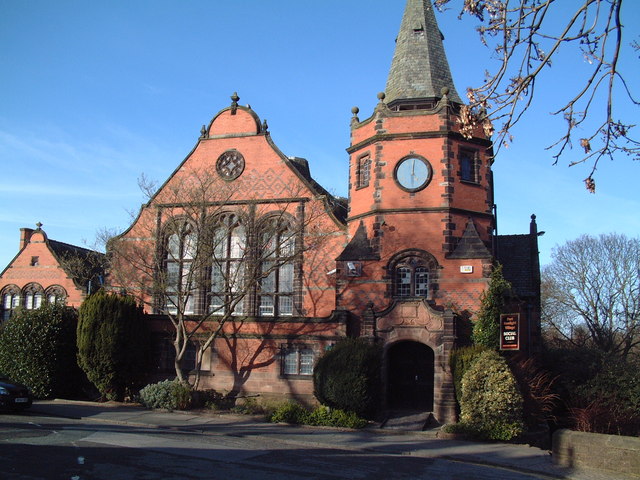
(203, 253)
(521, 37)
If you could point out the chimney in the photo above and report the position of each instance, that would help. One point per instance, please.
(25, 236)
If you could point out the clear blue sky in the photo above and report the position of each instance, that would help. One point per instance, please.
(92, 94)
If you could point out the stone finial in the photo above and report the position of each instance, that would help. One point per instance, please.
(39, 225)
(381, 96)
(234, 102)
(355, 111)
(265, 126)
(444, 91)
(203, 132)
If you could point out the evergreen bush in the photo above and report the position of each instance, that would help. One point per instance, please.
(290, 412)
(460, 361)
(168, 395)
(38, 349)
(491, 403)
(609, 402)
(486, 329)
(347, 377)
(113, 344)
(322, 416)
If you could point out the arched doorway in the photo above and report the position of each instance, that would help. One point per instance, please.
(410, 369)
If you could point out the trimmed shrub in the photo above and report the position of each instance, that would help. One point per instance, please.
(324, 416)
(290, 412)
(113, 344)
(168, 395)
(486, 329)
(460, 361)
(347, 377)
(491, 403)
(38, 349)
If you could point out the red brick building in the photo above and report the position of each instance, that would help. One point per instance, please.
(241, 238)
(46, 270)
(402, 261)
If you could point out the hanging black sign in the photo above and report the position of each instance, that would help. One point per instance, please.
(510, 331)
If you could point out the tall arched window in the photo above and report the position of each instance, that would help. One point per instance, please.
(229, 254)
(33, 294)
(181, 278)
(277, 261)
(55, 294)
(413, 274)
(10, 301)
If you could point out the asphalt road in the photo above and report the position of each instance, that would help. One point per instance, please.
(39, 447)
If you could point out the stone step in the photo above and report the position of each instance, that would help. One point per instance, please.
(409, 421)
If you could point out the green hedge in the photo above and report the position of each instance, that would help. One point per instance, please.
(38, 349)
(322, 416)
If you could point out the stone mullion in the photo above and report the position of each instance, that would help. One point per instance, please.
(159, 260)
(251, 259)
(298, 296)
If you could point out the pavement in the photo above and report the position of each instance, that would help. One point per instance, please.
(426, 444)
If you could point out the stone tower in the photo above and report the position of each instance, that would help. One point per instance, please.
(420, 219)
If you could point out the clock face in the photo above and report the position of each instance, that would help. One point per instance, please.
(413, 173)
(230, 164)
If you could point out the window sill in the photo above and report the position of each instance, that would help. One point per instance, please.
(296, 377)
(471, 183)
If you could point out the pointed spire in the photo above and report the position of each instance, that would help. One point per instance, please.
(419, 69)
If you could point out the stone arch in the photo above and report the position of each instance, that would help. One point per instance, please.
(410, 373)
(413, 273)
(32, 294)
(55, 294)
(10, 297)
(418, 322)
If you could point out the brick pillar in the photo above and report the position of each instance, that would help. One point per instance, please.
(368, 322)
(445, 400)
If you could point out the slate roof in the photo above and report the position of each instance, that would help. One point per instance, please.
(61, 249)
(470, 245)
(419, 69)
(518, 256)
(359, 248)
(338, 205)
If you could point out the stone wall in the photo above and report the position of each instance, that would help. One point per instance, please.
(594, 450)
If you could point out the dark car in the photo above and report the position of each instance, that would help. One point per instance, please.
(14, 396)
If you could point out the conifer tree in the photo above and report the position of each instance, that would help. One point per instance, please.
(486, 330)
(113, 344)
